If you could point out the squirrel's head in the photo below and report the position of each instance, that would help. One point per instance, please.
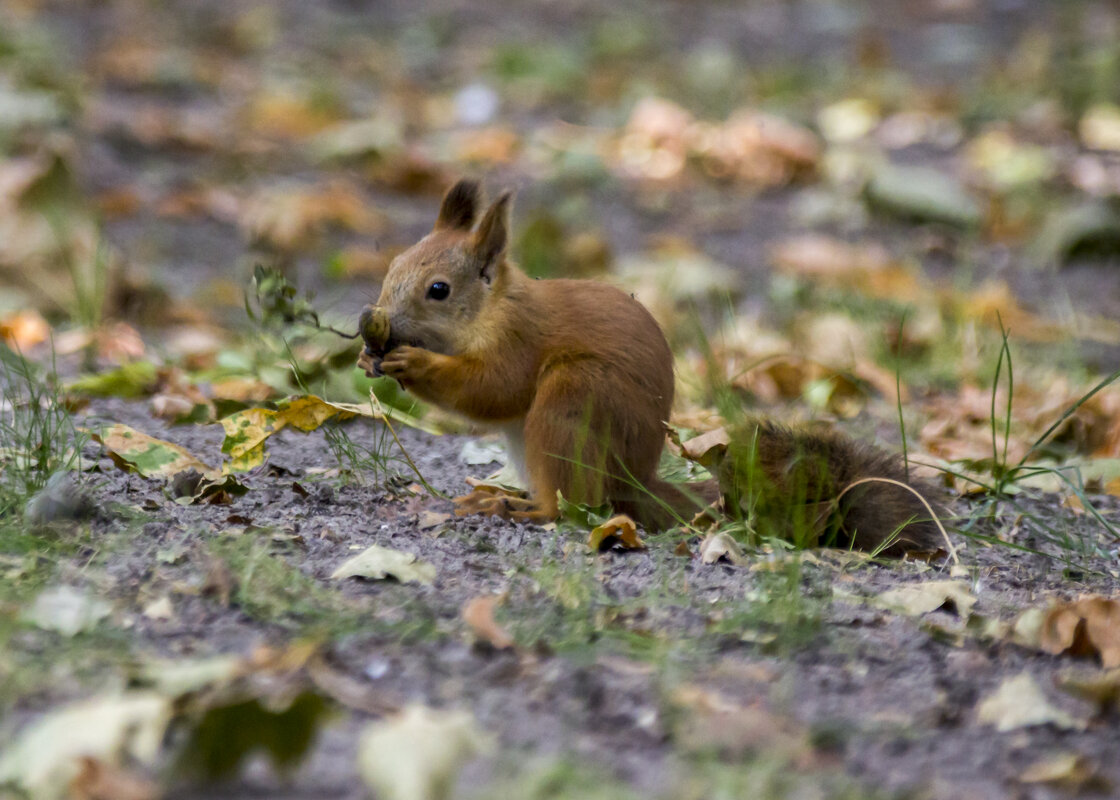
(435, 289)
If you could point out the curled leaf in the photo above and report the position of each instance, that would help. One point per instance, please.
(620, 530)
(478, 613)
(1086, 627)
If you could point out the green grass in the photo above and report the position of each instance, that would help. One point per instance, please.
(270, 589)
(37, 434)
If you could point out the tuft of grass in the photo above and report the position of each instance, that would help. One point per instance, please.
(38, 437)
(270, 589)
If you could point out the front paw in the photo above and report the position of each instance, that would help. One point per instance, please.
(406, 364)
(370, 363)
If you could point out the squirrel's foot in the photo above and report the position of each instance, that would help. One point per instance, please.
(494, 501)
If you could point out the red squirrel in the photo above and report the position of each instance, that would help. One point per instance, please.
(579, 377)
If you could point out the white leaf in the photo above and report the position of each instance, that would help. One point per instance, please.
(379, 562)
(46, 756)
(66, 610)
(416, 754)
(1020, 703)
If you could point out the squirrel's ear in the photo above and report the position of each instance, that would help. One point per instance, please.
(492, 236)
(459, 206)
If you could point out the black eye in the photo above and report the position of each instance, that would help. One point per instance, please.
(439, 290)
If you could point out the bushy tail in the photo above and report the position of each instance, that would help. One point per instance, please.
(811, 486)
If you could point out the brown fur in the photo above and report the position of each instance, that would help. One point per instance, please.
(581, 375)
(582, 367)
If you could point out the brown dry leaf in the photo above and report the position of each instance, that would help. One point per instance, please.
(100, 781)
(1071, 771)
(815, 255)
(158, 125)
(756, 148)
(653, 144)
(994, 302)
(864, 267)
(707, 449)
(493, 145)
(285, 115)
(620, 531)
(1087, 626)
(1101, 688)
(750, 146)
(491, 500)
(24, 329)
(242, 390)
(722, 547)
(708, 720)
(363, 262)
(478, 613)
(289, 217)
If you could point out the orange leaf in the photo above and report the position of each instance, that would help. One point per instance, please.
(478, 613)
(24, 329)
(1088, 626)
(620, 530)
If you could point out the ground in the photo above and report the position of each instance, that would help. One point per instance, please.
(181, 144)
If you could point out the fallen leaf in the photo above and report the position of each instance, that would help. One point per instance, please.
(100, 781)
(377, 562)
(289, 217)
(24, 329)
(478, 613)
(619, 530)
(722, 547)
(921, 598)
(1018, 702)
(159, 609)
(923, 194)
(1087, 626)
(248, 430)
(1102, 688)
(707, 448)
(431, 519)
(68, 610)
(133, 450)
(46, 756)
(708, 721)
(1099, 127)
(1070, 771)
(416, 754)
(134, 379)
(280, 721)
(491, 499)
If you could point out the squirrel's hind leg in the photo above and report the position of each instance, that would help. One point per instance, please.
(566, 440)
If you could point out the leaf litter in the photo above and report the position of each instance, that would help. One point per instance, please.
(727, 164)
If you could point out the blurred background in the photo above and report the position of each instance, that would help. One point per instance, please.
(840, 183)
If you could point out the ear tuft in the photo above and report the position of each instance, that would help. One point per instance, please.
(459, 206)
(493, 235)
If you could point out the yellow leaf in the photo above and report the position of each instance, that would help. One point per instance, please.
(1020, 703)
(151, 457)
(415, 755)
(619, 530)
